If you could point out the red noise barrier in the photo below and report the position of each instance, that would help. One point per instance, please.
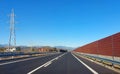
(109, 46)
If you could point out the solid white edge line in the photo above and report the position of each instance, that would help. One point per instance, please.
(44, 64)
(19, 60)
(93, 71)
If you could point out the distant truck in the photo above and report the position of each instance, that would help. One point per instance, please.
(62, 50)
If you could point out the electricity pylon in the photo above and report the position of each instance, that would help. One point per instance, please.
(12, 37)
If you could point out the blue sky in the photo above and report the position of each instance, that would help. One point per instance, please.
(60, 22)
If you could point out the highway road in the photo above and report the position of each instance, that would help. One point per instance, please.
(62, 63)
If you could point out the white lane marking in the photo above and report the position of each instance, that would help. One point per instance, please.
(93, 71)
(56, 58)
(44, 65)
(47, 64)
(18, 61)
(21, 60)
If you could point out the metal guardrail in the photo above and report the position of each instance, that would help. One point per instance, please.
(7, 54)
(106, 61)
(103, 59)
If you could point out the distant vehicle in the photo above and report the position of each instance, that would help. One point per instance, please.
(61, 50)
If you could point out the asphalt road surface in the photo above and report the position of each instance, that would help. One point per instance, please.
(63, 63)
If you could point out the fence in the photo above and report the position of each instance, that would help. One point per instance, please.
(109, 46)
